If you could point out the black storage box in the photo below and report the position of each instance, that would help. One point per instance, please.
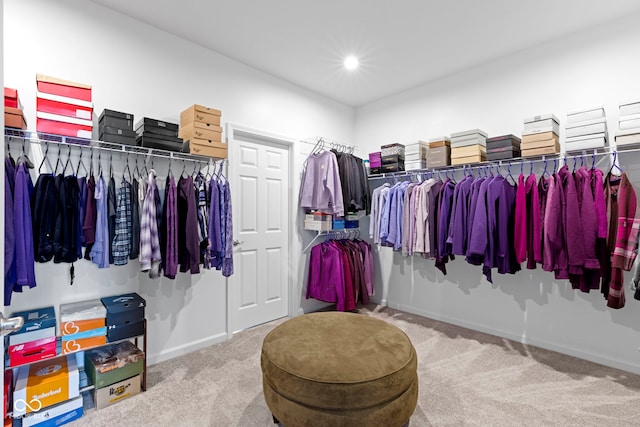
(116, 119)
(392, 159)
(124, 309)
(503, 141)
(157, 126)
(160, 142)
(503, 153)
(118, 139)
(126, 330)
(393, 167)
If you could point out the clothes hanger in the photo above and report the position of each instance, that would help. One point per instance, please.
(58, 161)
(593, 160)
(100, 163)
(513, 181)
(127, 169)
(530, 167)
(184, 173)
(81, 163)
(110, 164)
(68, 161)
(614, 165)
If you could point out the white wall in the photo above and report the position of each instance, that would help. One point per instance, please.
(599, 66)
(141, 70)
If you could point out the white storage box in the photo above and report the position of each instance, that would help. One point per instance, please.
(630, 107)
(584, 114)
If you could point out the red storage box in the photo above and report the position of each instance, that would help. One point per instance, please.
(70, 107)
(65, 126)
(11, 97)
(8, 390)
(32, 351)
(62, 87)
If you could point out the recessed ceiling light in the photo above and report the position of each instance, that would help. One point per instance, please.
(351, 63)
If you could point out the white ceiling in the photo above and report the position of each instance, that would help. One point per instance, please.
(400, 43)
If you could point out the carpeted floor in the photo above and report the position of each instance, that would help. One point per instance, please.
(467, 378)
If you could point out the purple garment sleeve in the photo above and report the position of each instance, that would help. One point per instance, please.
(171, 219)
(215, 236)
(444, 218)
(520, 232)
(478, 241)
(573, 224)
(459, 222)
(227, 261)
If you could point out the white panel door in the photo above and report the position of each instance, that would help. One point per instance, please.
(259, 287)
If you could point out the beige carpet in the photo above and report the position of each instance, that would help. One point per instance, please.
(467, 378)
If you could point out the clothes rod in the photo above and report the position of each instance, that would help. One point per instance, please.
(319, 140)
(33, 137)
(518, 161)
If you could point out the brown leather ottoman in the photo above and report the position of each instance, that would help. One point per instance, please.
(339, 369)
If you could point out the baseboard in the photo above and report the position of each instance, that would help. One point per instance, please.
(186, 348)
(313, 307)
(571, 351)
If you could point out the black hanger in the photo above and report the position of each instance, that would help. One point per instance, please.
(184, 169)
(58, 161)
(100, 163)
(110, 163)
(530, 167)
(513, 181)
(169, 172)
(9, 152)
(127, 169)
(81, 163)
(593, 160)
(68, 161)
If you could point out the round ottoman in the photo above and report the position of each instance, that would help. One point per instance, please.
(339, 369)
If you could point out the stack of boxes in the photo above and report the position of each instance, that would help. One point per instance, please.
(46, 383)
(392, 156)
(63, 108)
(351, 220)
(115, 371)
(116, 127)
(152, 133)
(13, 114)
(36, 340)
(125, 316)
(318, 221)
(586, 129)
(415, 156)
(540, 136)
(468, 147)
(82, 325)
(628, 133)
(375, 163)
(439, 153)
(56, 415)
(503, 147)
(201, 131)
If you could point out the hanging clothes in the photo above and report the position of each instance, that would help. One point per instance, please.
(134, 250)
(203, 217)
(150, 256)
(170, 230)
(90, 218)
(321, 187)
(227, 227)
(9, 230)
(122, 239)
(100, 249)
(188, 243)
(24, 252)
(215, 233)
(112, 204)
(354, 182)
(82, 206)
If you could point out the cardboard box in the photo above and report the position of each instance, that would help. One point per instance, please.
(34, 320)
(541, 151)
(14, 118)
(440, 156)
(113, 363)
(471, 150)
(503, 141)
(526, 139)
(534, 128)
(390, 149)
(588, 127)
(468, 133)
(439, 141)
(65, 126)
(199, 113)
(122, 309)
(124, 331)
(317, 225)
(116, 119)
(628, 139)
(539, 144)
(630, 107)
(468, 159)
(588, 113)
(57, 415)
(45, 383)
(209, 148)
(85, 311)
(200, 130)
(114, 393)
(91, 333)
(541, 117)
(466, 141)
(586, 143)
(629, 122)
(74, 345)
(375, 159)
(69, 89)
(70, 107)
(11, 99)
(415, 165)
(32, 351)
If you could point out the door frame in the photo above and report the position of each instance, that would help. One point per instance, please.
(233, 131)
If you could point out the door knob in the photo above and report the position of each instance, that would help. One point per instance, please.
(236, 242)
(9, 325)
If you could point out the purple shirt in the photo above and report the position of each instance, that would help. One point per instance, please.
(321, 187)
(188, 243)
(479, 239)
(325, 279)
(170, 223)
(446, 205)
(459, 217)
(100, 249)
(24, 257)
